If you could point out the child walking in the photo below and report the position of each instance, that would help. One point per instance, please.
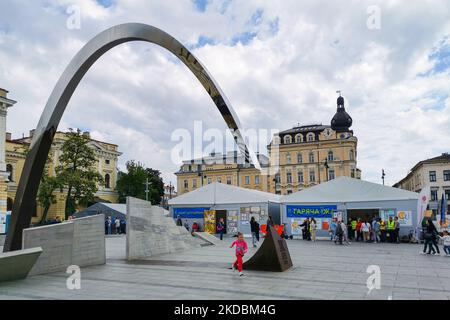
(446, 239)
(241, 249)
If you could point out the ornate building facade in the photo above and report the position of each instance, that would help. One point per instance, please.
(14, 158)
(298, 158)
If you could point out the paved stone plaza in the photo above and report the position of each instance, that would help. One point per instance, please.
(321, 270)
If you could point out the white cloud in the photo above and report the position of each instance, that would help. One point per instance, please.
(137, 94)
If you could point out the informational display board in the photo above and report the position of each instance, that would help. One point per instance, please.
(248, 212)
(210, 221)
(2, 223)
(405, 218)
(310, 211)
(386, 213)
(232, 221)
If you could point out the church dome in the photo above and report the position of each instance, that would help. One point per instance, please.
(341, 120)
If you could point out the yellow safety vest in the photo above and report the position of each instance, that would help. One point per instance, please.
(391, 225)
(382, 225)
(354, 225)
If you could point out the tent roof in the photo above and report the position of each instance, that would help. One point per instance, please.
(345, 189)
(108, 209)
(220, 193)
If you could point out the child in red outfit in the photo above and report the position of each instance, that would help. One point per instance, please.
(241, 249)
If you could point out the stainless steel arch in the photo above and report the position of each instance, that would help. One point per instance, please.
(61, 94)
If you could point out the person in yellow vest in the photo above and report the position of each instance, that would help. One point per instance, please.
(391, 229)
(353, 233)
(382, 230)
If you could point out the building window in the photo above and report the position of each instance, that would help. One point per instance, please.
(277, 178)
(9, 169)
(107, 161)
(298, 138)
(209, 180)
(288, 177)
(312, 176)
(276, 140)
(287, 139)
(446, 175)
(107, 181)
(228, 180)
(247, 180)
(311, 157)
(351, 155)
(352, 173)
(300, 176)
(9, 204)
(447, 194)
(186, 184)
(434, 195)
(330, 156)
(330, 174)
(289, 192)
(194, 183)
(288, 157)
(219, 179)
(432, 176)
(310, 137)
(256, 179)
(299, 158)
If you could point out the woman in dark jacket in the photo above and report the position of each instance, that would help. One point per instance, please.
(254, 227)
(430, 238)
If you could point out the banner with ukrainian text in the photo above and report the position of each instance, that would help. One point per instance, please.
(310, 211)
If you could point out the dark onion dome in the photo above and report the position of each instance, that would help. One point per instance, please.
(341, 120)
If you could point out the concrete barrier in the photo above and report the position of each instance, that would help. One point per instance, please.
(209, 238)
(150, 232)
(16, 265)
(78, 242)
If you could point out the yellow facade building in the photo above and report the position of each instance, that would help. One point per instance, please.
(107, 157)
(298, 158)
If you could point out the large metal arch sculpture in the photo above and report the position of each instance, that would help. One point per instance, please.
(65, 87)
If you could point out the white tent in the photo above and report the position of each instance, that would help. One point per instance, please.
(345, 190)
(220, 193)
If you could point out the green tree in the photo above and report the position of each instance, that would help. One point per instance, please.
(76, 170)
(46, 196)
(132, 183)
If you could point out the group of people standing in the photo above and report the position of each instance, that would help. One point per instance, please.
(431, 237)
(115, 226)
(377, 230)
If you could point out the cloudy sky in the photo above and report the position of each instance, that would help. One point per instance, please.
(278, 62)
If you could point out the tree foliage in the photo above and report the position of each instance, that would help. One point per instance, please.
(132, 183)
(76, 170)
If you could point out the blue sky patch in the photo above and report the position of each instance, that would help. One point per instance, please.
(244, 38)
(201, 5)
(441, 58)
(105, 3)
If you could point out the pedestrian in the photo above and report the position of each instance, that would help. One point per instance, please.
(107, 225)
(221, 228)
(339, 232)
(350, 229)
(390, 229)
(430, 239)
(305, 229)
(186, 225)
(376, 230)
(396, 230)
(179, 222)
(113, 225)
(344, 233)
(332, 231)
(123, 226)
(313, 229)
(269, 223)
(241, 250)
(195, 227)
(254, 227)
(117, 225)
(358, 230)
(365, 229)
(446, 239)
(382, 230)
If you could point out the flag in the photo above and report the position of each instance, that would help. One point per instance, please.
(422, 204)
(443, 208)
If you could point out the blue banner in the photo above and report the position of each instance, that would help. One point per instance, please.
(301, 211)
(189, 212)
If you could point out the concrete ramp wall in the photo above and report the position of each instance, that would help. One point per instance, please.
(78, 242)
(150, 232)
(209, 238)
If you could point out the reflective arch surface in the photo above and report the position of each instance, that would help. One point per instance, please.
(61, 94)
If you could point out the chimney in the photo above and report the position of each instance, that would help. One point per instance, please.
(32, 133)
(8, 136)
